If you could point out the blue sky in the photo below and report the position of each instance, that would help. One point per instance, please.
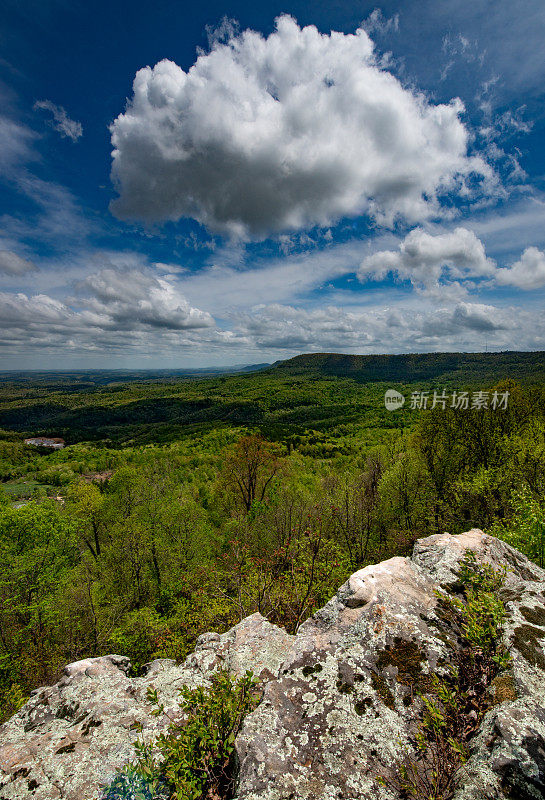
(236, 183)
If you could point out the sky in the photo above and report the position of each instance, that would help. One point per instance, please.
(235, 183)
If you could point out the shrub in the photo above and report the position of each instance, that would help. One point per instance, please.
(131, 785)
(194, 759)
(11, 700)
(525, 530)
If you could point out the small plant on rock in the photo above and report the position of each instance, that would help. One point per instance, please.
(132, 785)
(194, 759)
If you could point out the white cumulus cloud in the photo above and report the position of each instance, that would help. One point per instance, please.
(423, 258)
(133, 299)
(263, 135)
(526, 273)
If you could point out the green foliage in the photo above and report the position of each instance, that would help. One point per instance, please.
(525, 529)
(132, 785)
(37, 547)
(194, 759)
(439, 367)
(12, 698)
(481, 612)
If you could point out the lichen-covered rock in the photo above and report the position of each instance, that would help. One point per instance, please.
(69, 739)
(340, 713)
(340, 699)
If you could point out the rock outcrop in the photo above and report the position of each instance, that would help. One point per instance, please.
(71, 738)
(340, 697)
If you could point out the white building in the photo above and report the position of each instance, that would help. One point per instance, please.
(46, 441)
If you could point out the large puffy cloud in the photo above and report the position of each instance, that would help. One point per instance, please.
(12, 264)
(423, 258)
(526, 273)
(264, 135)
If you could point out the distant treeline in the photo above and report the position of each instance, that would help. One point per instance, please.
(446, 367)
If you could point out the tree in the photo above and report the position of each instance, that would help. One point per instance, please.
(85, 502)
(250, 468)
(354, 512)
(37, 550)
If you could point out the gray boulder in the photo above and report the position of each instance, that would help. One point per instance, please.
(71, 738)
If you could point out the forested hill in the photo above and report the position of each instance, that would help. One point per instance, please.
(318, 393)
(444, 367)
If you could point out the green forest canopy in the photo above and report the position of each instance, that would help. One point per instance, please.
(183, 505)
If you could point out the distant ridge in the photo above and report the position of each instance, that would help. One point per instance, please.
(96, 377)
(406, 368)
(311, 392)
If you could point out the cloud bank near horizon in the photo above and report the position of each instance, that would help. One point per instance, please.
(128, 307)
